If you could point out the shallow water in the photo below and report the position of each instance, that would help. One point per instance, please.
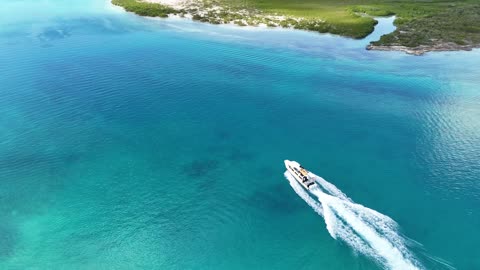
(134, 143)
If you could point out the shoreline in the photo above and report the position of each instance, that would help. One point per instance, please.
(220, 13)
(215, 12)
(423, 49)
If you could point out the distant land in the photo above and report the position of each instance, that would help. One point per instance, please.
(422, 26)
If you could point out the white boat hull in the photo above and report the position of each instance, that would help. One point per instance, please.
(300, 174)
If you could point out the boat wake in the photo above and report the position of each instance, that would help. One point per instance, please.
(365, 230)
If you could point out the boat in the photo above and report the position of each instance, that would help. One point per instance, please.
(300, 174)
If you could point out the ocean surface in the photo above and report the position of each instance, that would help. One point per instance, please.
(133, 143)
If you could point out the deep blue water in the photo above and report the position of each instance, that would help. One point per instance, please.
(128, 143)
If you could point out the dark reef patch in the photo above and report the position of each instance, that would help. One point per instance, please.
(51, 33)
(223, 135)
(200, 168)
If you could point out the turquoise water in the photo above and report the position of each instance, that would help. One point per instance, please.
(129, 143)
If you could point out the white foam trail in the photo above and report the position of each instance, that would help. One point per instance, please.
(329, 187)
(304, 195)
(365, 230)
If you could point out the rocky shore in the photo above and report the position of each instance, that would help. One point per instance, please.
(421, 50)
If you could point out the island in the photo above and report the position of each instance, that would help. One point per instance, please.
(422, 26)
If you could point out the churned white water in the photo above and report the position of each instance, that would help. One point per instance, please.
(365, 230)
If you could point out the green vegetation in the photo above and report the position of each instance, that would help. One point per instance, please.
(419, 22)
(437, 23)
(145, 9)
(335, 15)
